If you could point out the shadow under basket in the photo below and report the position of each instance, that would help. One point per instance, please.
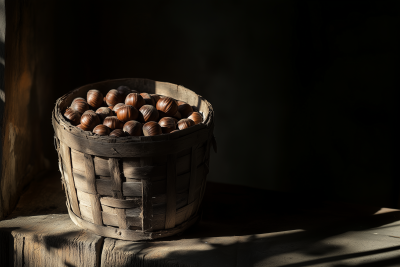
(134, 188)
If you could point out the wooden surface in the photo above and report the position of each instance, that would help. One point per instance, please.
(271, 229)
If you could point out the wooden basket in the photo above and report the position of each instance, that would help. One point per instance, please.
(134, 188)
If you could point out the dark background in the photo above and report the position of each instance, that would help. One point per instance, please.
(305, 92)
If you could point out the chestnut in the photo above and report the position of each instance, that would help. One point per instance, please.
(151, 128)
(127, 113)
(117, 107)
(79, 99)
(79, 105)
(89, 120)
(104, 112)
(101, 130)
(117, 133)
(185, 123)
(167, 124)
(80, 126)
(95, 98)
(180, 102)
(178, 115)
(196, 117)
(149, 113)
(133, 128)
(113, 122)
(135, 100)
(175, 131)
(148, 98)
(124, 90)
(185, 110)
(114, 97)
(156, 97)
(167, 105)
(89, 111)
(74, 117)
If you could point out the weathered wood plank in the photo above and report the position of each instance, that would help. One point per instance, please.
(121, 203)
(193, 182)
(48, 240)
(171, 193)
(65, 151)
(147, 206)
(117, 190)
(91, 185)
(134, 149)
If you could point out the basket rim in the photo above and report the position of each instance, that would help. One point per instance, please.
(59, 121)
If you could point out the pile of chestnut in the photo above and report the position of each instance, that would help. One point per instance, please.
(124, 112)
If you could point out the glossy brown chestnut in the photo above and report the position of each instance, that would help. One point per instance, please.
(74, 117)
(178, 115)
(117, 107)
(89, 111)
(117, 133)
(79, 99)
(151, 128)
(79, 105)
(148, 98)
(114, 97)
(89, 120)
(80, 126)
(167, 105)
(174, 131)
(156, 97)
(149, 113)
(167, 124)
(180, 102)
(135, 100)
(127, 113)
(104, 112)
(133, 128)
(196, 117)
(185, 123)
(113, 122)
(95, 98)
(101, 130)
(185, 110)
(124, 90)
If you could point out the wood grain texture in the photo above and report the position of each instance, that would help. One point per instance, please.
(193, 182)
(65, 150)
(116, 182)
(48, 240)
(171, 193)
(147, 206)
(131, 235)
(91, 185)
(26, 79)
(134, 149)
(121, 203)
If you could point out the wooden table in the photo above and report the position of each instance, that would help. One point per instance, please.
(240, 227)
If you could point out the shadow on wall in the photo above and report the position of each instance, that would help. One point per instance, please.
(304, 92)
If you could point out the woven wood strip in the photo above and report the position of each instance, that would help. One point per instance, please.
(130, 235)
(147, 205)
(133, 149)
(192, 185)
(91, 185)
(117, 190)
(121, 203)
(66, 154)
(170, 213)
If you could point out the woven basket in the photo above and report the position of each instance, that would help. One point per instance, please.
(134, 188)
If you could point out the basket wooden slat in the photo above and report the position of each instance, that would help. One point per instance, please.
(134, 188)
